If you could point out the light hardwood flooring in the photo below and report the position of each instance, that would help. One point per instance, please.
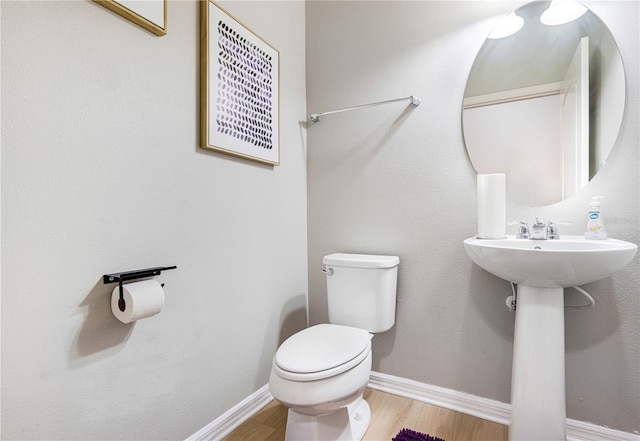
(389, 414)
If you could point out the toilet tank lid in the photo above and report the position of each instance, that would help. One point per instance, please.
(361, 260)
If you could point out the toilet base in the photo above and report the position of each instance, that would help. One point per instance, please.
(346, 424)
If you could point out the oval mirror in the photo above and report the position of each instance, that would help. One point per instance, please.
(544, 104)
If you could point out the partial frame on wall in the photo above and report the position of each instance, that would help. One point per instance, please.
(149, 14)
(239, 88)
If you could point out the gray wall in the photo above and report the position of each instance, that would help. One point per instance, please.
(101, 172)
(395, 180)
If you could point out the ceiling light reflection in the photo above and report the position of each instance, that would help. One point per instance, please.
(561, 12)
(509, 25)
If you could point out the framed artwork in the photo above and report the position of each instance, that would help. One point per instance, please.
(239, 88)
(150, 14)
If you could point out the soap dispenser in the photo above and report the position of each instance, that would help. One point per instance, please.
(595, 223)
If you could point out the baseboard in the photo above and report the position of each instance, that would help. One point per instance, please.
(581, 431)
(238, 414)
(439, 396)
(486, 409)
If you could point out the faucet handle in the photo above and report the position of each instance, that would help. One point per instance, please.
(552, 229)
(523, 229)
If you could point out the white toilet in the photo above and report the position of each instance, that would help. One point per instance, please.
(321, 372)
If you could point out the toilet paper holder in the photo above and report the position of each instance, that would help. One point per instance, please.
(130, 275)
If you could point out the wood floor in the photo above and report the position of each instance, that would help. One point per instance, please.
(389, 414)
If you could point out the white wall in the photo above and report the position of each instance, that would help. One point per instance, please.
(101, 172)
(396, 180)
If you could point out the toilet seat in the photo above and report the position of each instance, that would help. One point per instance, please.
(321, 351)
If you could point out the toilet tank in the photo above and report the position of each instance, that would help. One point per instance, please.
(361, 290)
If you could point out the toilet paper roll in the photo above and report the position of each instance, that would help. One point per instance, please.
(142, 299)
(492, 217)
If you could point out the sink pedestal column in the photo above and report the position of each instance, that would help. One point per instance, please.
(538, 378)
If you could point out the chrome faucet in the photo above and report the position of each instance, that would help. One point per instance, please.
(538, 231)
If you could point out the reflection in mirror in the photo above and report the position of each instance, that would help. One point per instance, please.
(544, 105)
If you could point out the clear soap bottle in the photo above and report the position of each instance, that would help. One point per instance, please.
(595, 223)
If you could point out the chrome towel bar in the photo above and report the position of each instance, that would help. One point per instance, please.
(315, 117)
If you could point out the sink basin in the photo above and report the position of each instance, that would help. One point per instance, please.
(542, 269)
(568, 261)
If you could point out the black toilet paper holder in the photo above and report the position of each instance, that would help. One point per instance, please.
(130, 275)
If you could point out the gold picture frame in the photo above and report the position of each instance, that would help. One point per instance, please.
(239, 88)
(149, 14)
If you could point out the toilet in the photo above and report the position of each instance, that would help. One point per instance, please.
(321, 372)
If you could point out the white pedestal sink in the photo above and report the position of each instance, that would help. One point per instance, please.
(542, 269)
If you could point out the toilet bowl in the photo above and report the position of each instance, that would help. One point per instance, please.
(321, 372)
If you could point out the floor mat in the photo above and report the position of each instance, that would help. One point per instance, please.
(412, 435)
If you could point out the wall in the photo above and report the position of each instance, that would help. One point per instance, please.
(393, 179)
(101, 172)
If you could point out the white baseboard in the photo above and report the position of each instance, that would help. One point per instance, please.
(439, 396)
(581, 431)
(238, 414)
(484, 408)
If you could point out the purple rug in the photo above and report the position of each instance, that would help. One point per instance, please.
(412, 435)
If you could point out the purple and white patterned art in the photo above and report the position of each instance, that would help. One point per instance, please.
(242, 90)
(244, 95)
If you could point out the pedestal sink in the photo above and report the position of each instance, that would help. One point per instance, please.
(542, 269)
